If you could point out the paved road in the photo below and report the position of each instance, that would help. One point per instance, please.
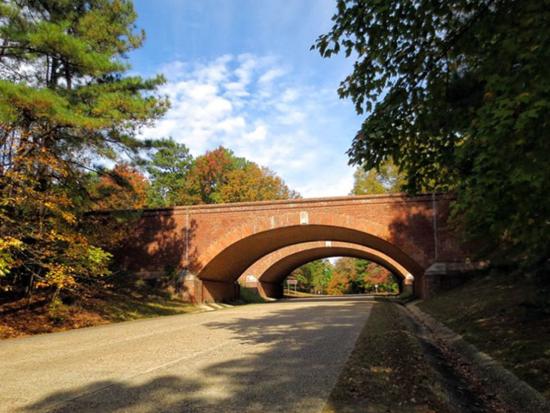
(283, 356)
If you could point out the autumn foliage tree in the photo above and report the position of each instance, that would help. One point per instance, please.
(338, 284)
(219, 176)
(123, 187)
(64, 101)
(346, 275)
(375, 277)
(254, 183)
(208, 174)
(169, 176)
(314, 276)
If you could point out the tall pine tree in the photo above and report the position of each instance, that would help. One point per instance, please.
(65, 102)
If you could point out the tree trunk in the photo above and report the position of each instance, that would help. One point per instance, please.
(30, 289)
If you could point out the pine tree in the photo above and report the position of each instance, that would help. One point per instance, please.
(65, 101)
(168, 170)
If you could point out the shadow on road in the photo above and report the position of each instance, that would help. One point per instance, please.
(286, 360)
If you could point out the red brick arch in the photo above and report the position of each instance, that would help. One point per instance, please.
(230, 255)
(275, 267)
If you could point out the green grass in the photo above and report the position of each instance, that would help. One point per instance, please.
(250, 296)
(498, 314)
(301, 294)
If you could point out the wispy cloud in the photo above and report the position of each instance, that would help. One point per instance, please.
(254, 106)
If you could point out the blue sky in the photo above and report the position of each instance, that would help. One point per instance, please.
(240, 74)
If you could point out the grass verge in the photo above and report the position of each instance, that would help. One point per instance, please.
(496, 314)
(93, 306)
(387, 370)
(298, 294)
(250, 296)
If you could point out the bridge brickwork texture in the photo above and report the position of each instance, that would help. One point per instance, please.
(211, 246)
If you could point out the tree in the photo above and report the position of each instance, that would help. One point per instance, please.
(372, 275)
(357, 276)
(457, 94)
(350, 269)
(64, 101)
(381, 180)
(314, 276)
(123, 187)
(321, 274)
(254, 183)
(338, 284)
(346, 276)
(168, 169)
(219, 176)
(208, 173)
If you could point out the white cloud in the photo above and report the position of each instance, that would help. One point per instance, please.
(258, 134)
(271, 75)
(252, 105)
(232, 125)
(290, 95)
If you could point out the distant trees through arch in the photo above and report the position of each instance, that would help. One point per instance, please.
(344, 275)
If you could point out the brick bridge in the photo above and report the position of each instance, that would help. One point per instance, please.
(211, 246)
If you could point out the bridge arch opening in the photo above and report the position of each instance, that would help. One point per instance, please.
(225, 263)
(274, 268)
(338, 276)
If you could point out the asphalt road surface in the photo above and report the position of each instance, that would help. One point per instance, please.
(278, 357)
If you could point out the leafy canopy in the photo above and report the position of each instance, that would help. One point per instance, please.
(171, 177)
(346, 276)
(168, 169)
(385, 179)
(457, 93)
(123, 187)
(314, 276)
(219, 176)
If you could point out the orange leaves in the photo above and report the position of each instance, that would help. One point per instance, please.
(122, 188)
(74, 106)
(220, 177)
(40, 239)
(338, 284)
